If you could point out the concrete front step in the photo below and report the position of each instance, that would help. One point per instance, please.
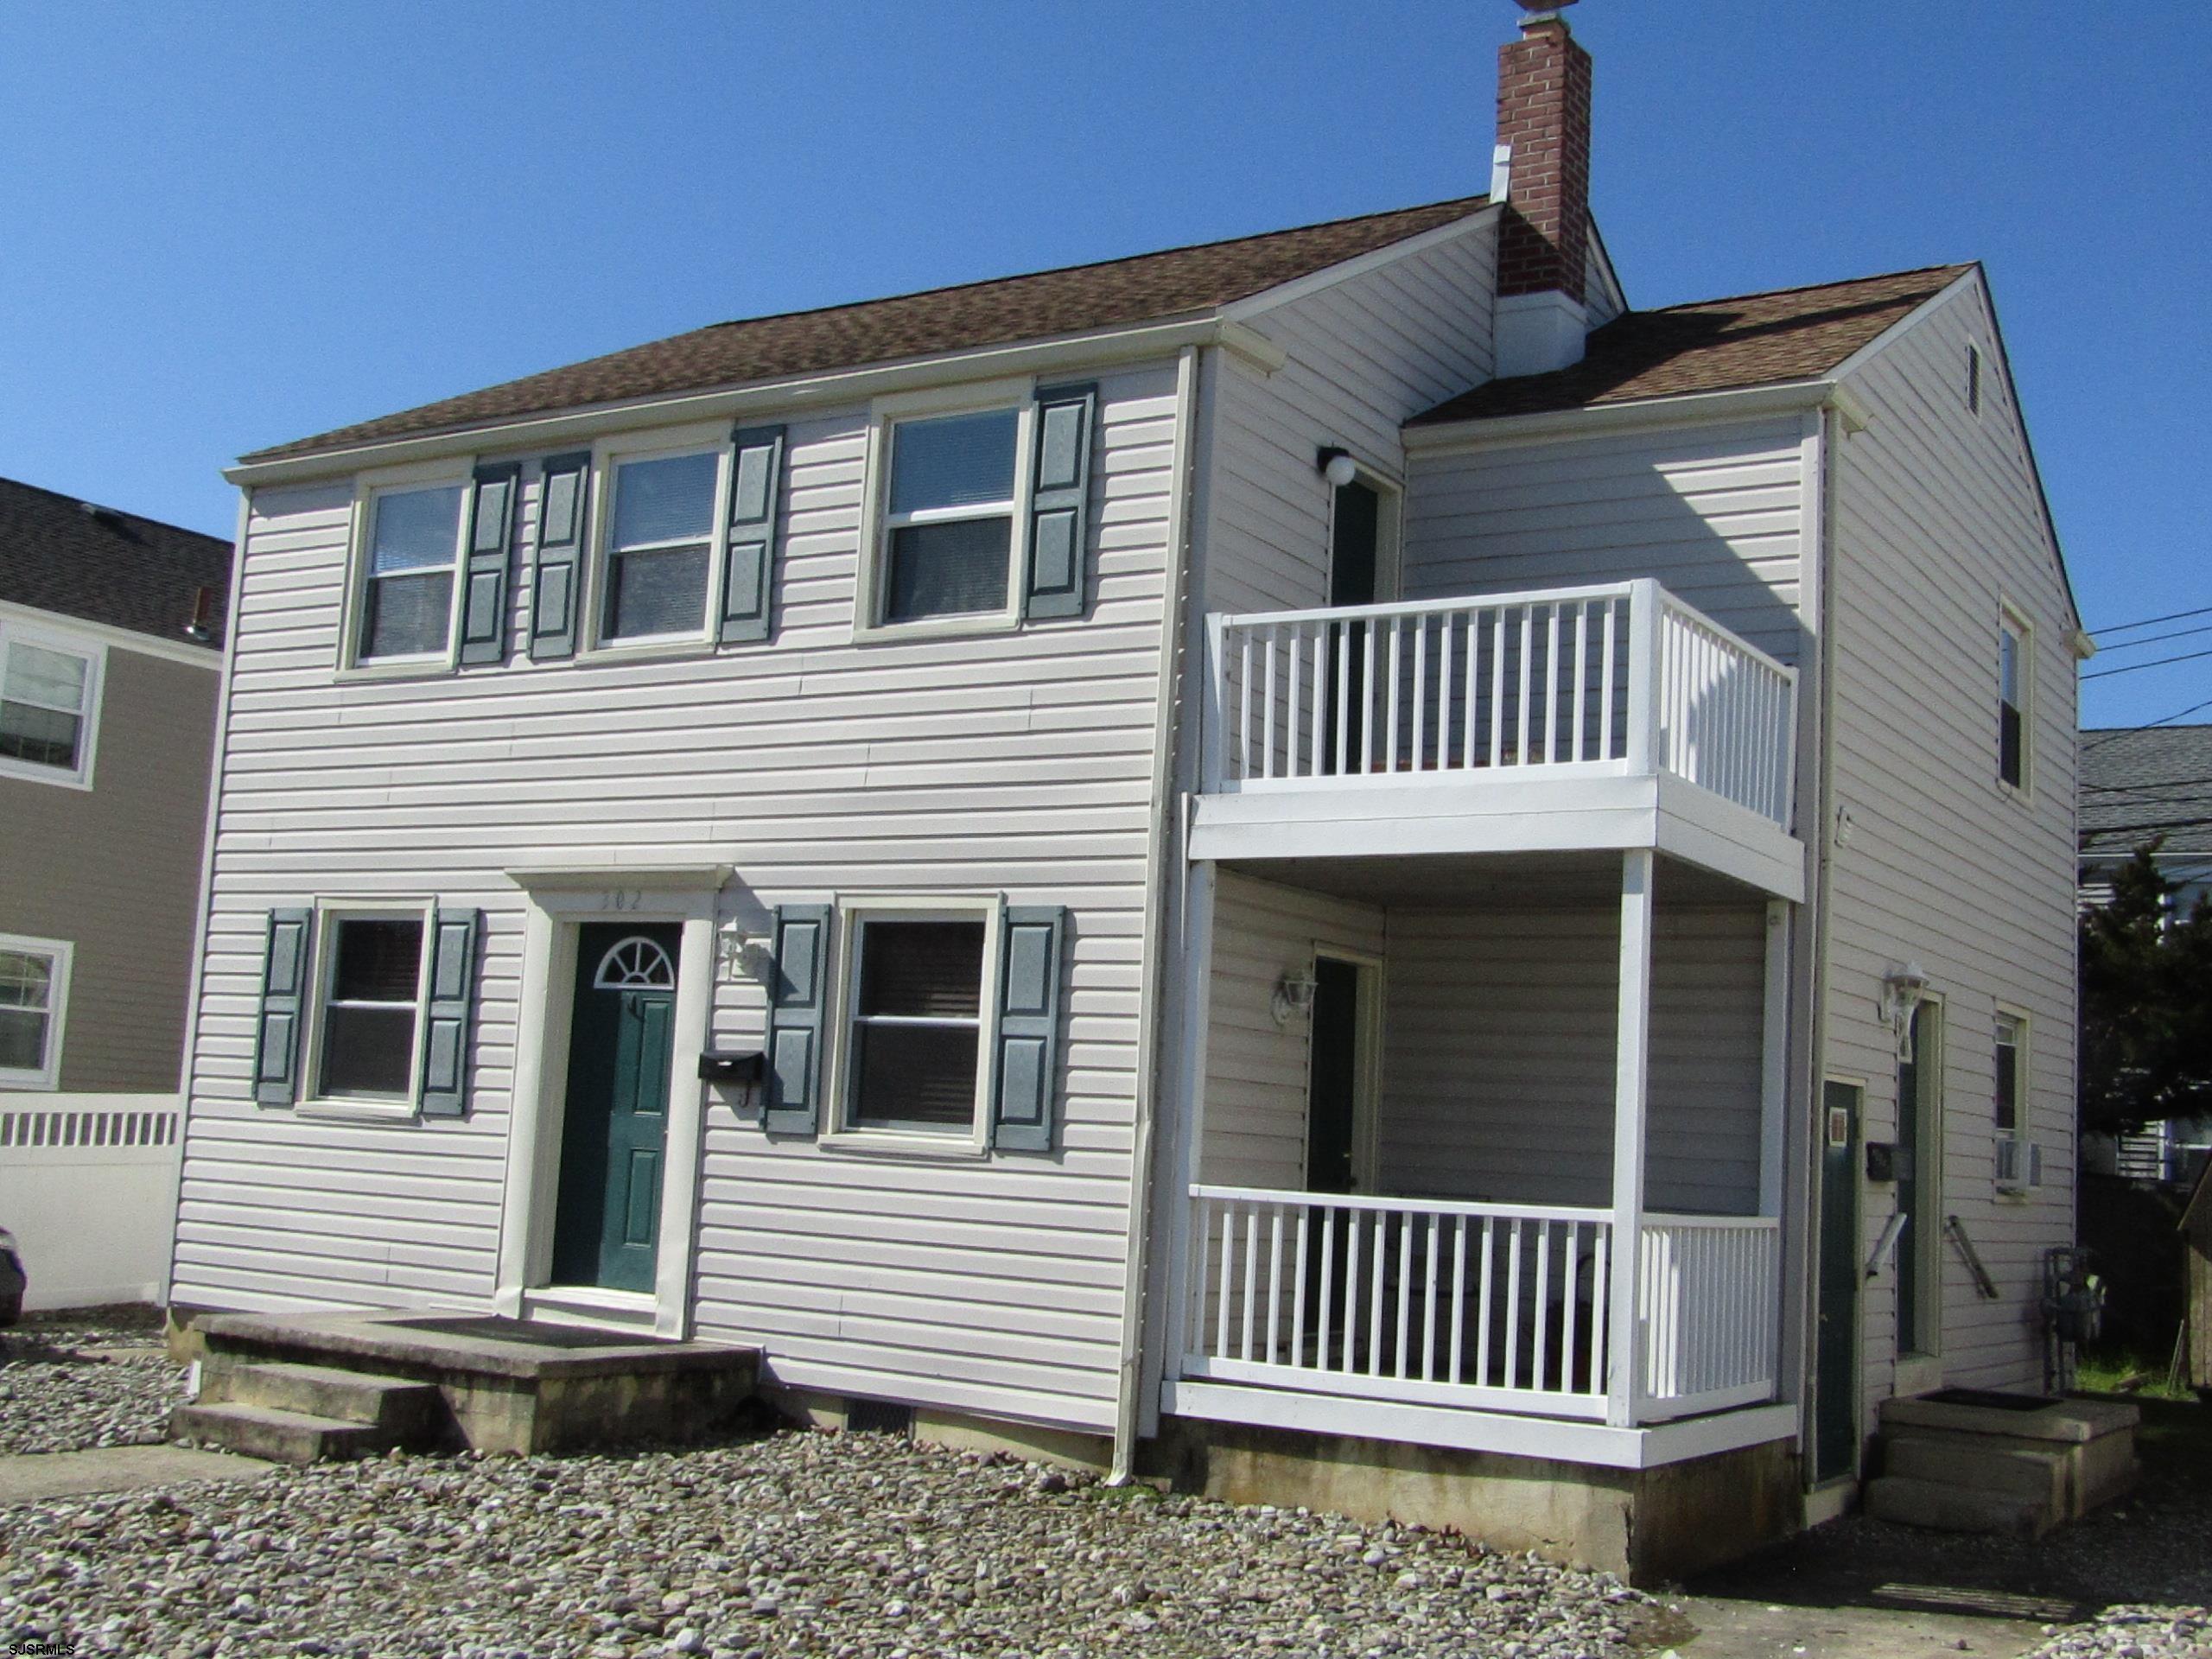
(1955, 1508)
(278, 1435)
(2033, 1476)
(410, 1411)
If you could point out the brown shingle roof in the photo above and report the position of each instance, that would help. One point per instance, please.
(76, 559)
(1752, 340)
(1072, 301)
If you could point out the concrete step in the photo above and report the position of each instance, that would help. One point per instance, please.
(280, 1436)
(2033, 1477)
(408, 1409)
(1955, 1508)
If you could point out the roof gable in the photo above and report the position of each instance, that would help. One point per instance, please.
(1075, 300)
(75, 559)
(1725, 345)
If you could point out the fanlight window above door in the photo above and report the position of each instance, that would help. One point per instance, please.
(637, 963)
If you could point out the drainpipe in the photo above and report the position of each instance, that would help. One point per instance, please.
(1159, 848)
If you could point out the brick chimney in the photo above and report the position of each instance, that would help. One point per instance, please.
(1542, 161)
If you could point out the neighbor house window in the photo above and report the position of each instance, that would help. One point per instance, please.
(2011, 1072)
(407, 590)
(2012, 686)
(48, 701)
(371, 1000)
(915, 1028)
(950, 516)
(34, 988)
(660, 542)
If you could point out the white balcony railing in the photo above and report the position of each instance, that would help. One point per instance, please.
(1485, 1306)
(1622, 679)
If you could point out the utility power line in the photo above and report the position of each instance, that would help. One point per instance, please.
(2156, 639)
(2157, 661)
(2149, 621)
(2164, 720)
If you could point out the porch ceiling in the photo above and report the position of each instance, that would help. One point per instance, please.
(1494, 881)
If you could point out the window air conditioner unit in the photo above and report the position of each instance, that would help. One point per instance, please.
(2019, 1165)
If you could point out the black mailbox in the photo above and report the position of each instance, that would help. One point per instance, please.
(730, 1066)
(1883, 1159)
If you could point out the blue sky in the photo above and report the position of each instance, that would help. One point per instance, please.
(231, 224)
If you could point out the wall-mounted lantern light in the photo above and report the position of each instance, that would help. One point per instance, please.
(1901, 991)
(1294, 993)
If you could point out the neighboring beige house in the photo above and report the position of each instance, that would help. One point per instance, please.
(110, 656)
(1360, 872)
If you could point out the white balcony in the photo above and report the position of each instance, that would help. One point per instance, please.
(1581, 719)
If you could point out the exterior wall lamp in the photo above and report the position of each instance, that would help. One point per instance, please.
(1901, 991)
(1294, 993)
(1335, 465)
(738, 954)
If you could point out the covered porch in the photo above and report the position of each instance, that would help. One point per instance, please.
(1487, 1153)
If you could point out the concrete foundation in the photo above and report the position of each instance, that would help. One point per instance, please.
(1648, 1525)
(958, 1430)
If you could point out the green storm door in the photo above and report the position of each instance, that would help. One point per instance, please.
(615, 1134)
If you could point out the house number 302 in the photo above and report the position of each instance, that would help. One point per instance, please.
(625, 899)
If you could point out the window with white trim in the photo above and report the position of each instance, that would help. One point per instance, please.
(917, 1019)
(49, 706)
(411, 555)
(2011, 1083)
(950, 515)
(661, 546)
(34, 992)
(369, 988)
(2014, 687)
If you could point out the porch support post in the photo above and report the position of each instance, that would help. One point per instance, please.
(1190, 1119)
(1631, 1104)
(1774, 1062)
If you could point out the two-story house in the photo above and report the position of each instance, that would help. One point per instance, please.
(111, 650)
(1361, 871)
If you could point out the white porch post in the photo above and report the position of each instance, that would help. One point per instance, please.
(1774, 1062)
(1632, 1091)
(1197, 969)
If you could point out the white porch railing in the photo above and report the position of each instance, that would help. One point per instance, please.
(1483, 1305)
(1622, 679)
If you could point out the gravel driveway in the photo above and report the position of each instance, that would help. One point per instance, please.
(795, 1543)
(72, 1382)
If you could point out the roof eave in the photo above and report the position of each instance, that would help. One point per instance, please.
(1476, 432)
(790, 394)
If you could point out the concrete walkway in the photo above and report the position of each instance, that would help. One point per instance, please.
(34, 1478)
(1711, 1627)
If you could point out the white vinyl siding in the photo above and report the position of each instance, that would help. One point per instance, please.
(1367, 354)
(1713, 513)
(1017, 763)
(1938, 519)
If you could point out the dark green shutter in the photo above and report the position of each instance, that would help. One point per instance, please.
(756, 477)
(1025, 1083)
(1056, 569)
(283, 991)
(453, 996)
(797, 997)
(560, 565)
(490, 526)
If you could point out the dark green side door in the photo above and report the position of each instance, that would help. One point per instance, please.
(615, 1134)
(1836, 1375)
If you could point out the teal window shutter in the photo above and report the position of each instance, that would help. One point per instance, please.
(283, 992)
(557, 573)
(1057, 569)
(1024, 1083)
(797, 997)
(491, 527)
(749, 570)
(452, 996)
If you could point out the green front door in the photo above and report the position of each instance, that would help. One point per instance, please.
(614, 1132)
(1835, 1375)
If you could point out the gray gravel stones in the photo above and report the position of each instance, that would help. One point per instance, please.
(844, 1545)
(2135, 1632)
(66, 1388)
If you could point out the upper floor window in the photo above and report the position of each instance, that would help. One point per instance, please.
(49, 705)
(2014, 679)
(34, 987)
(1974, 380)
(660, 546)
(950, 526)
(407, 591)
(979, 509)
